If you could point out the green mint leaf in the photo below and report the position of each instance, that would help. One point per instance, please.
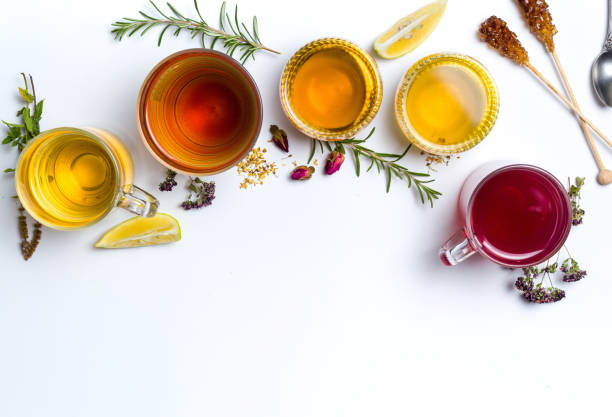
(27, 120)
(9, 170)
(38, 109)
(27, 97)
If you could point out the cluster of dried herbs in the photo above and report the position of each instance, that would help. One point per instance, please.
(201, 193)
(537, 292)
(18, 135)
(386, 163)
(232, 34)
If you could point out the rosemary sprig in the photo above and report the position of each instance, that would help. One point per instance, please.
(233, 34)
(386, 163)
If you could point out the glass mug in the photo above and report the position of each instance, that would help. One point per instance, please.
(69, 178)
(515, 215)
(199, 112)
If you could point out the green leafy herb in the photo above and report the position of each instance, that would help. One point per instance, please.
(20, 133)
(232, 34)
(386, 163)
(574, 195)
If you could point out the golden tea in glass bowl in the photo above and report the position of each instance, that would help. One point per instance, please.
(331, 89)
(446, 103)
(199, 112)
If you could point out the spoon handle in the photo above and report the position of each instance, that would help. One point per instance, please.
(608, 43)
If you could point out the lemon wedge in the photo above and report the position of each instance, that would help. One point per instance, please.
(142, 231)
(409, 32)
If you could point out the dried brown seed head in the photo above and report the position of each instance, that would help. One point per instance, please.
(540, 22)
(495, 32)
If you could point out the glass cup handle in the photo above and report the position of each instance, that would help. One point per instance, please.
(456, 249)
(138, 201)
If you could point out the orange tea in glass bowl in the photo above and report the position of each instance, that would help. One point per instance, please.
(199, 112)
(330, 89)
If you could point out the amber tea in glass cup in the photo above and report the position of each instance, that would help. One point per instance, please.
(69, 178)
(199, 112)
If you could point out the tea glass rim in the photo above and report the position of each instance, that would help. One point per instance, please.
(90, 135)
(305, 52)
(468, 216)
(482, 130)
(146, 84)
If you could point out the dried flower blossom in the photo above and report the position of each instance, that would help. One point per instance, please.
(334, 162)
(279, 137)
(169, 182)
(574, 195)
(571, 270)
(302, 173)
(201, 194)
(254, 168)
(537, 293)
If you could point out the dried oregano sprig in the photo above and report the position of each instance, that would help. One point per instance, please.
(233, 35)
(538, 293)
(201, 194)
(169, 182)
(384, 162)
(574, 195)
(18, 135)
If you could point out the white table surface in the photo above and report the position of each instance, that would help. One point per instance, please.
(323, 298)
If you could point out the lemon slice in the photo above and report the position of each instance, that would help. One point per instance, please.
(409, 32)
(142, 231)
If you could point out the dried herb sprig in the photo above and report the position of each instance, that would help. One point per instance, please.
(28, 246)
(574, 195)
(385, 162)
(201, 194)
(538, 293)
(18, 135)
(169, 182)
(232, 34)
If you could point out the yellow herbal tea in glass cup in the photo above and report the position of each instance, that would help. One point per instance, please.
(330, 89)
(69, 178)
(446, 103)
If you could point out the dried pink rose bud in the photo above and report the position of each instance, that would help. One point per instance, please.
(334, 162)
(279, 137)
(302, 173)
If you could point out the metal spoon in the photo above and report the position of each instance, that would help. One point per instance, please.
(601, 72)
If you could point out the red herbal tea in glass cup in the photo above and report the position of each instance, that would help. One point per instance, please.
(199, 112)
(515, 215)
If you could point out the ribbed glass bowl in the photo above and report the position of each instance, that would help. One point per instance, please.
(482, 129)
(371, 77)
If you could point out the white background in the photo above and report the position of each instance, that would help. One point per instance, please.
(323, 298)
